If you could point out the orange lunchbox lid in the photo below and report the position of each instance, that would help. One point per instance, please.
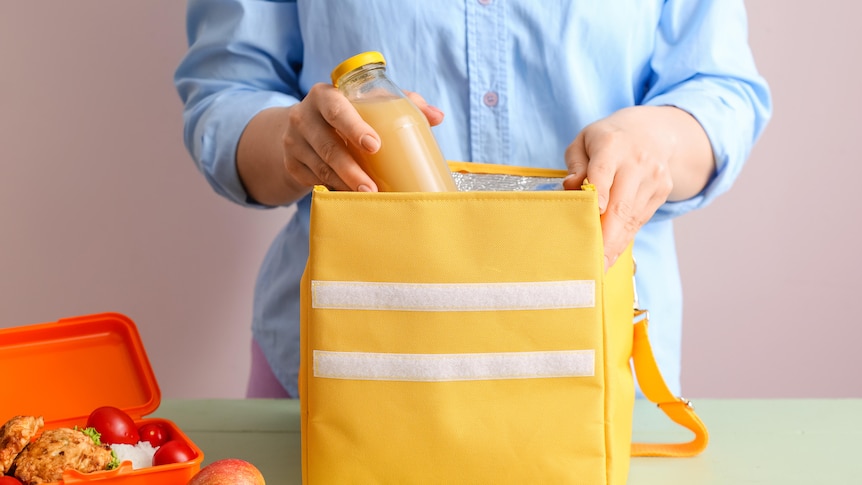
(64, 370)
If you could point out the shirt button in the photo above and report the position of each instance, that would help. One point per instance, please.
(490, 99)
(485, 2)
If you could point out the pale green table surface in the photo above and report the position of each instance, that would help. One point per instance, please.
(751, 441)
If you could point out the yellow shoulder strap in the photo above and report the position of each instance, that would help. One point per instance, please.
(654, 388)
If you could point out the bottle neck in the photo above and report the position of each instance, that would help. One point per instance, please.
(361, 75)
(367, 83)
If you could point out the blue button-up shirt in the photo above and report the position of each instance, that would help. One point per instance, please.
(517, 80)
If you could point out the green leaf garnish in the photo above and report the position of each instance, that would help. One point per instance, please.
(92, 433)
(97, 440)
(114, 463)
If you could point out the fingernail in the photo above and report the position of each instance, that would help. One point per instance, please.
(435, 109)
(363, 188)
(369, 143)
(603, 204)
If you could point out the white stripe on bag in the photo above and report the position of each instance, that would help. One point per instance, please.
(443, 297)
(453, 367)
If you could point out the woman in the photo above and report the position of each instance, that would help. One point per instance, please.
(658, 103)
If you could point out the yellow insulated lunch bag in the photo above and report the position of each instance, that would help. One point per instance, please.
(471, 337)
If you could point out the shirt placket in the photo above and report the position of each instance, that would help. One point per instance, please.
(486, 58)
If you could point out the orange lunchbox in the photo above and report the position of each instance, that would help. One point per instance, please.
(64, 370)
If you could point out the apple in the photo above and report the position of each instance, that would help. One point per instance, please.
(228, 471)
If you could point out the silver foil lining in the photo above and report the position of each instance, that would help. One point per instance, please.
(473, 182)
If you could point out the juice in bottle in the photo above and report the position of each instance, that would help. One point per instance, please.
(409, 159)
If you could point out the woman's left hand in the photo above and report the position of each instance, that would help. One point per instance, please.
(638, 158)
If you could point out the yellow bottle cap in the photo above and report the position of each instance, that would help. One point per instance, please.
(358, 60)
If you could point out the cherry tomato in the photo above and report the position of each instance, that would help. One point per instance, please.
(9, 481)
(114, 425)
(174, 451)
(155, 433)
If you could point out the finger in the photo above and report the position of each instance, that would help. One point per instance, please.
(338, 113)
(601, 170)
(316, 154)
(432, 113)
(630, 206)
(305, 166)
(577, 162)
(300, 172)
(333, 163)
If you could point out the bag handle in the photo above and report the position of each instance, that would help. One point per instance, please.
(652, 385)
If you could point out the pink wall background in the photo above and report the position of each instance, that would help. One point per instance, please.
(772, 270)
(102, 210)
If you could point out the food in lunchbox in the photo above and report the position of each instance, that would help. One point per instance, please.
(126, 439)
(57, 450)
(153, 433)
(173, 451)
(114, 425)
(14, 436)
(140, 455)
(45, 458)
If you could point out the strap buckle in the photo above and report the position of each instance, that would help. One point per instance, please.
(679, 400)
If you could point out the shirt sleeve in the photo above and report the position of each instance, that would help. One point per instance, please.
(703, 64)
(244, 56)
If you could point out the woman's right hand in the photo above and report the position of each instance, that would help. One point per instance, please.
(283, 152)
(316, 136)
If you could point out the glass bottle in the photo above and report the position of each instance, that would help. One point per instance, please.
(409, 159)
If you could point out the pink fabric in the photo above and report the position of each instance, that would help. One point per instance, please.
(262, 383)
